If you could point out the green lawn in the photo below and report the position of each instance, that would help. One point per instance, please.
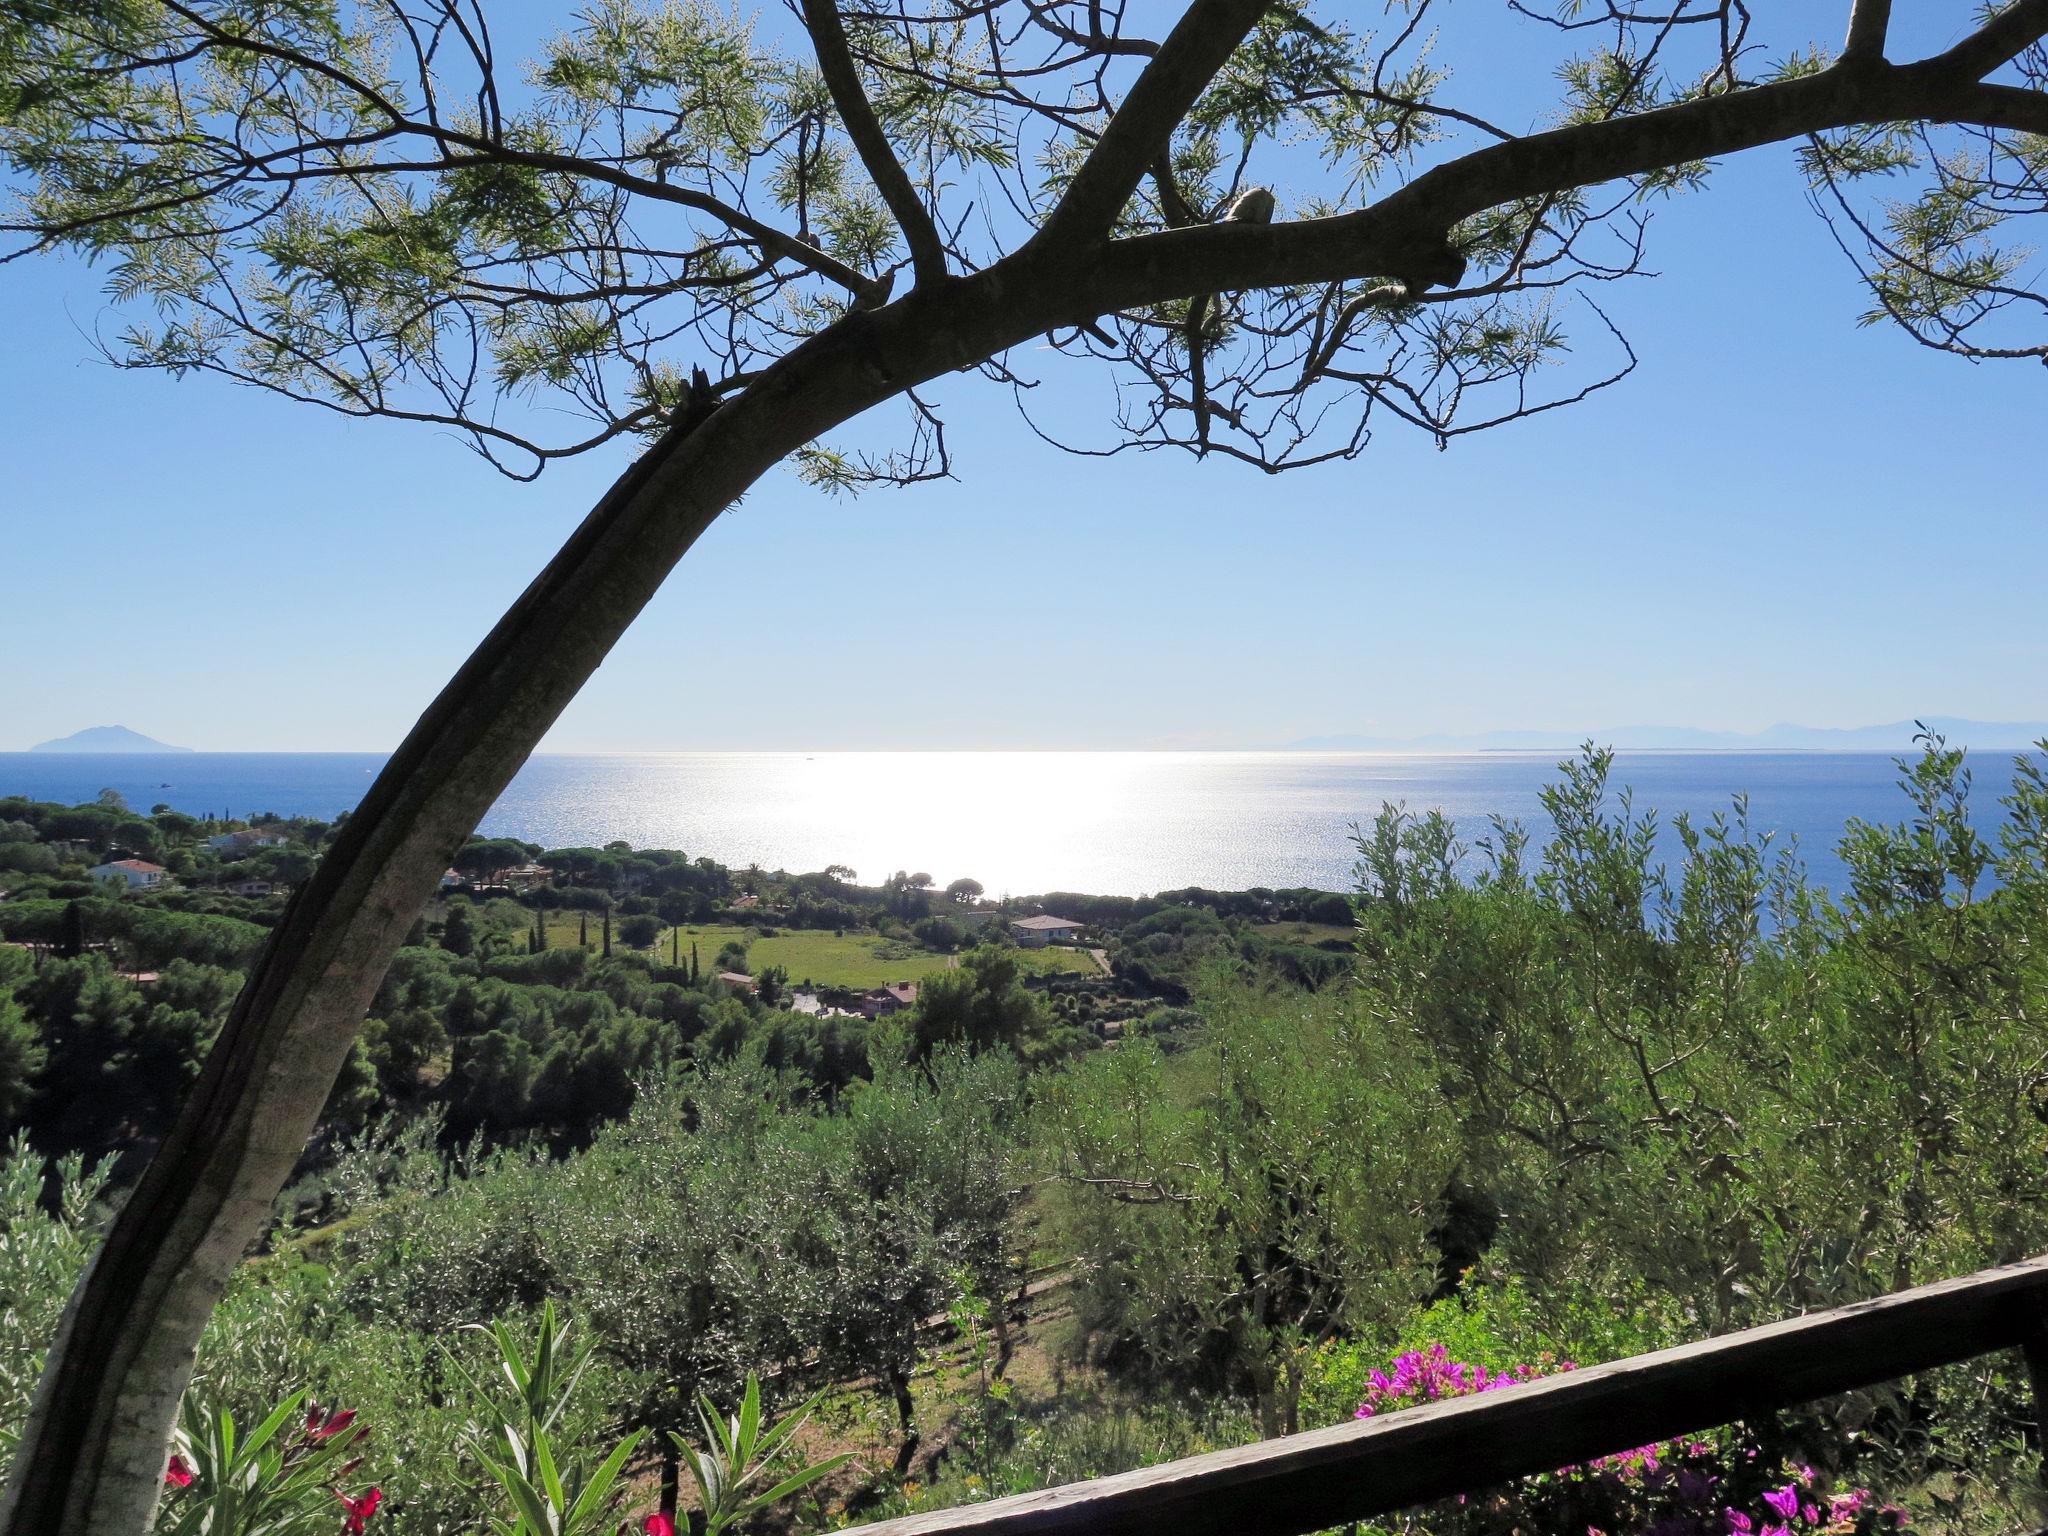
(1057, 961)
(1307, 933)
(819, 955)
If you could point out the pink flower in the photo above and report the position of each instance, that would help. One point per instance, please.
(1785, 1501)
(659, 1524)
(337, 1421)
(177, 1474)
(360, 1510)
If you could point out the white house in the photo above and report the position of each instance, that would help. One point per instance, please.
(248, 840)
(135, 874)
(1037, 932)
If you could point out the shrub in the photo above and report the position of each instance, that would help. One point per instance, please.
(1719, 1486)
(41, 1255)
(270, 1480)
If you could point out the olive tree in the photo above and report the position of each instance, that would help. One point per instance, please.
(728, 240)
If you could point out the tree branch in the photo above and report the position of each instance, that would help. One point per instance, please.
(489, 149)
(1868, 23)
(1198, 46)
(1998, 42)
(842, 79)
(1404, 235)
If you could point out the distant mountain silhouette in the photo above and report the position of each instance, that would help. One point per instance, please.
(106, 738)
(1983, 735)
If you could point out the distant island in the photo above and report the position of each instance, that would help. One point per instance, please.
(106, 738)
(1984, 735)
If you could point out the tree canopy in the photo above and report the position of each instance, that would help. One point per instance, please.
(360, 203)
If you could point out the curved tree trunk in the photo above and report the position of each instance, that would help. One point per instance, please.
(91, 1458)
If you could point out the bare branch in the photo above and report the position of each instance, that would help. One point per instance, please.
(1868, 23)
(1198, 46)
(1998, 42)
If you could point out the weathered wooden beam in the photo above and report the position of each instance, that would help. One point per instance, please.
(1327, 1477)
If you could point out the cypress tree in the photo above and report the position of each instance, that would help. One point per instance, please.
(583, 933)
(695, 973)
(71, 939)
(607, 933)
(675, 947)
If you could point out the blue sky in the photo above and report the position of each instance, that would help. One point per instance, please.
(1781, 516)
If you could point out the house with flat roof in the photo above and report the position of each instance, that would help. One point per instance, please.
(1037, 932)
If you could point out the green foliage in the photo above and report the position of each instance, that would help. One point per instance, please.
(42, 1253)
(553, 1489)
(717, 1231)
(458, 930)
(22, 1053)
(982, 1004)
(1721, 1086)
(276, 1477)
(742, 1454)
(1273, 1186)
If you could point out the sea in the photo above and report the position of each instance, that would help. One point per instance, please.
(1112, 823)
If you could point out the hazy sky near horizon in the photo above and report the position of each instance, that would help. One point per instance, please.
(1780, 516)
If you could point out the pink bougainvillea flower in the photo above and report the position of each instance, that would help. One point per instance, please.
(659, 1524)
(360, 1510)
(1784, 1501)
(177, 1474)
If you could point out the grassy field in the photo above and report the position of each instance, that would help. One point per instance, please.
(1055, 961)
(1307, 933)
(820, 955)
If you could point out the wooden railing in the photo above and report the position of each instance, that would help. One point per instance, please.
(1375, 1466)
